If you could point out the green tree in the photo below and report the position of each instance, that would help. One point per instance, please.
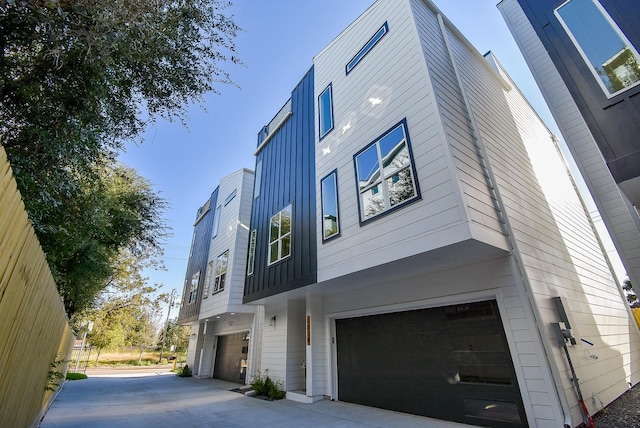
(177, 336)
(126, 312)
(628, 288)
(79, 79)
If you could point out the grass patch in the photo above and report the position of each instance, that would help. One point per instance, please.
(120, 359)
(76, 376)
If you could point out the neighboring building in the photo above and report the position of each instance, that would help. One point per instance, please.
(584, 56)
(412, 222)
(224, 333)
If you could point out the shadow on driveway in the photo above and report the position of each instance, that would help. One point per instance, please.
(166, 400)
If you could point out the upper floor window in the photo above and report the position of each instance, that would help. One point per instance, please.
(207, 280)
(366, 48)
(216, 222)
(252, 252)
(280, 235)
(221, 272)
(385, 173)
(611, 57)
(193, 289)
(258, 180)
(325, 109)
(230, 197)
(330, 219)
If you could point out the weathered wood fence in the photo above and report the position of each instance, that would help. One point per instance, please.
(35, 337)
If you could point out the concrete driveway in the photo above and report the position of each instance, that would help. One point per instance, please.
(162, 399)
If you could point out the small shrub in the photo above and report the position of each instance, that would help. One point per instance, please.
(76, 376)
(264, 386)
(186, 371)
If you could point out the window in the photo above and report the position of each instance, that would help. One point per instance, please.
(258, 180)
(193, 290)
(329, 192)
(612, 59)
(216, 222)
(384, 173)
(252, 252)
(207, 280)
(325, 108)
(221, 272)
(230, 197)
(280, 235)
(365, 50)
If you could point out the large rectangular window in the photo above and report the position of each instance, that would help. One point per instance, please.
(329, 194)
(366, 48)
(385, 174)
(611, 57)
(280, 235)
(325, 111)
(193, 289)
(221, 272)
(252, 252)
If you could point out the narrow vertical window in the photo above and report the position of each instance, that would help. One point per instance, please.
(216, 222)
(193, 289)
(252, 252)
(258, 180)
(611, 57)
(384, 173)
(221, 272)
(325, 109)
(207, 280)
(280, 235)
(329, 192)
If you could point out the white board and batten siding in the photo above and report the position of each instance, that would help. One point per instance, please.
(232, 235)
(395, 73)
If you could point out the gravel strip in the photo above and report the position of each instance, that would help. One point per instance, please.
(622, 413)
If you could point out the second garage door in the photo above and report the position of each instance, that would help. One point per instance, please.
(450, 363)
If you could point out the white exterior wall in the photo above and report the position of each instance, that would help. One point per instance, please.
(388, 72)
(600, 312)
(606, 194)
(233, 235)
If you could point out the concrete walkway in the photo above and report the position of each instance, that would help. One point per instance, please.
(162, 399)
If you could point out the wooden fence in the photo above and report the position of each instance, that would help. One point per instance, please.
(34, 330)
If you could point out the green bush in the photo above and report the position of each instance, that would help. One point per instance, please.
(76, 376)
(264, 386)
(186, 371)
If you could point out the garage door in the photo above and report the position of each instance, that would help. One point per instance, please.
(231, 357)
(449, 363)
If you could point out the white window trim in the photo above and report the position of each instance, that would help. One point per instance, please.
(616, 29)
(218, 275)
(280, 237)
(252, 252)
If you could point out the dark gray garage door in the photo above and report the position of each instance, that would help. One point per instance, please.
(231, 357)
(449, 363)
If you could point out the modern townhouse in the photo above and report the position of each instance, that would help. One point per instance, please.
(224, 332)
(417, 243)
(584, 57)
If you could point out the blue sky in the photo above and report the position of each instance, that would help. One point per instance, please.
(277, 45)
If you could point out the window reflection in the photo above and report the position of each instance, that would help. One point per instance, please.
(329, 190)
(611, 57)
(380, 192)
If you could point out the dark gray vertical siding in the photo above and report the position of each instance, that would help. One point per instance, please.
(288, 177)
(614, 122)
(198, 262)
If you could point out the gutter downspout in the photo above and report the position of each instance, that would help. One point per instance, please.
(516, 259)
